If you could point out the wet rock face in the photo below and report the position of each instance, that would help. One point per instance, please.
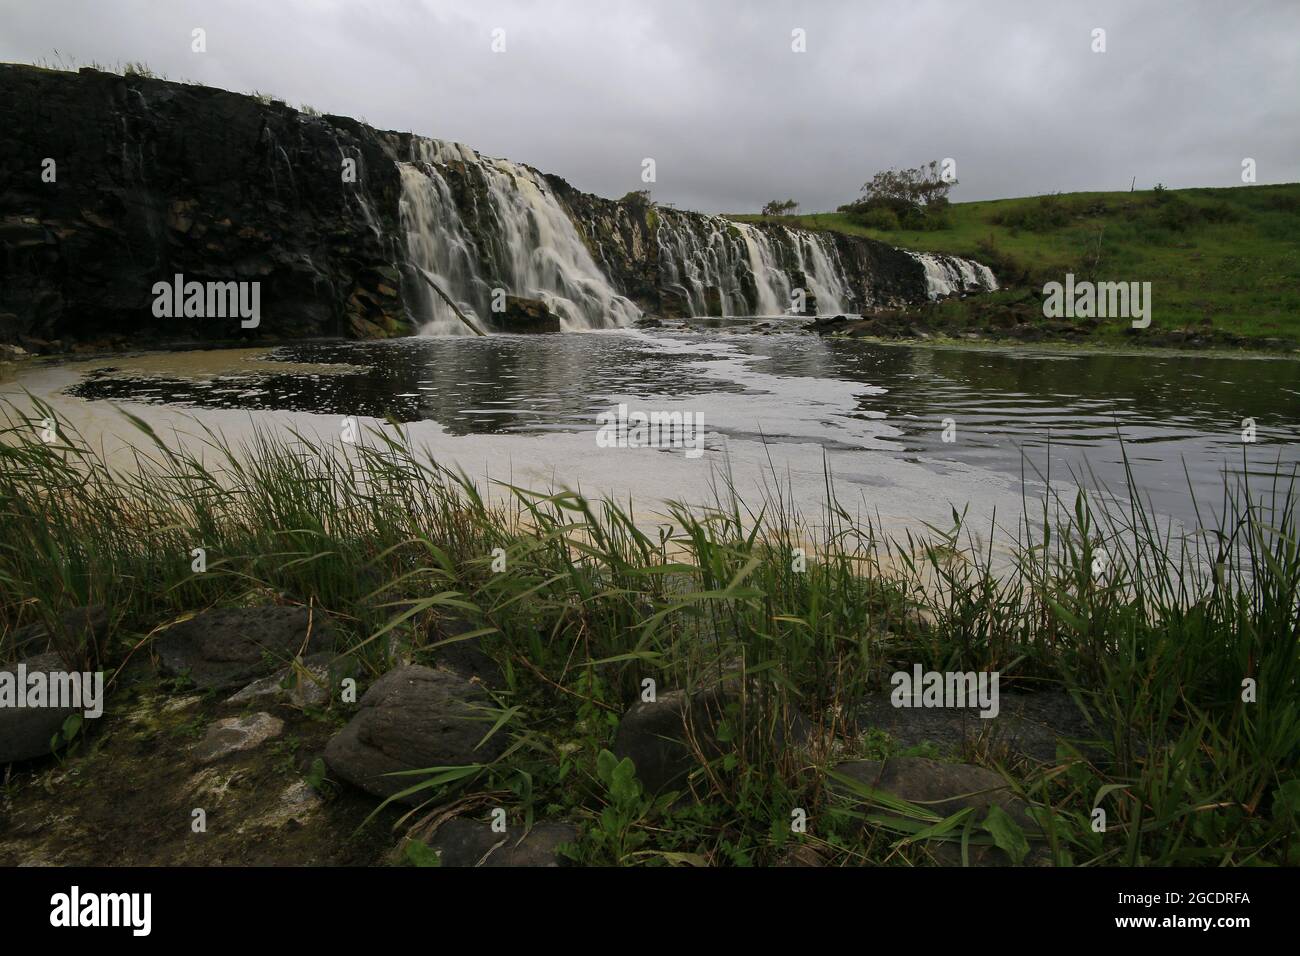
(623, 237)
(412, 718)
(154, 178)
(527, 315)
(226, 648)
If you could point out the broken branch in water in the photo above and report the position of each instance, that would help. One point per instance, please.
(454, 307)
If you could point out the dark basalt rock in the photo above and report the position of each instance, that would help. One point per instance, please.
(1030, 725)
(81, 626)
(657, 736)
(26, 732)
(527, 315)
(462, 842)
(944, 788)
(155, 178)
(412, 718)
(465, 658)
(622, 235)
(226, 648)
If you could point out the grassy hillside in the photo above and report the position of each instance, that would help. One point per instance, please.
(1224, 264)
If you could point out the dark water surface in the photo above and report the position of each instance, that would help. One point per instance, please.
(1179, 415)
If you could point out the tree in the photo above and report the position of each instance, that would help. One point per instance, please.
(916, 196)
(780, 207)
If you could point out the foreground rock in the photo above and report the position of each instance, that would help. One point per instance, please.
(234, 734)
(26, 732)
(528, 315)
(302, 684)
(1029, 725)
(129, 799)
(226, 648)
(464, 657)
(945, 789)
(79, 627)
(412, 718)
(665, 739)
(463, 842)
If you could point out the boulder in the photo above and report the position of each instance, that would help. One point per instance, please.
(225, 648)
(26, 732)
(944, 788)
(412, 718)
(1029, 725)
(658, 735)
(81, 626)
(462, 842)
(528, 315)
(465, 658)
(302, 684)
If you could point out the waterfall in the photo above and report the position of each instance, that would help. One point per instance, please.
(699, 259)
(822, 271)
(501, 229)
(721, 267)
(771, 284)
(440, 247)
(949, 275)
(479, 228)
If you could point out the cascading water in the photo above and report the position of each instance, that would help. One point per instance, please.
(478, 227)
(440, 248)
(822, 271)
(526, 246)
(720, 267)
(949, 275)
(771, 284)
(700, 259)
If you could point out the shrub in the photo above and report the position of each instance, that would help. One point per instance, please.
(1042, 216)
(880, 217)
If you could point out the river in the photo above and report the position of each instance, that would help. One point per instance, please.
(907, 431)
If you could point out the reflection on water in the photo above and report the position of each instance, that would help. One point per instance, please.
(496, 384)
(1008, 409)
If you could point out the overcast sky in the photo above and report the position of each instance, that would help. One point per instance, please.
(732, 116)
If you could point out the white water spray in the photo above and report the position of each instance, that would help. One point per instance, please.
(531, 249)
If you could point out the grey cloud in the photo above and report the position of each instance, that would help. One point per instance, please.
(713, 92)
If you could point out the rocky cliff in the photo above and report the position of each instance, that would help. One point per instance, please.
(677, 263)
(110, 185)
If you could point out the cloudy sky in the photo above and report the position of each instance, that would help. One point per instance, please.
(731, 114)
